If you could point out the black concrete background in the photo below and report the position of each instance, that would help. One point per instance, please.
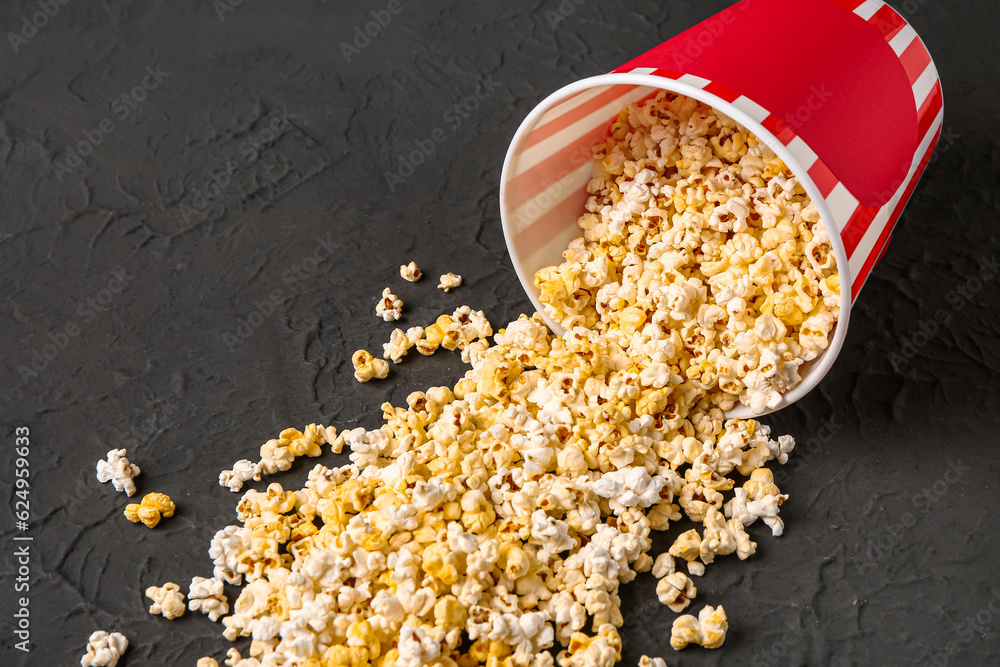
(887, 556)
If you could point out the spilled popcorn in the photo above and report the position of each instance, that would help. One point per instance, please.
(367, 367)
(410, 272)
(153, 507)
(449, 281)
(493, 522)
(390, 307)
(115, 468)
(103, 649)
(168, 601)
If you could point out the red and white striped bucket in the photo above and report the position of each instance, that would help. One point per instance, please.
(843, 91)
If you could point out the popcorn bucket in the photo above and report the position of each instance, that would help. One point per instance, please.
(843, 91)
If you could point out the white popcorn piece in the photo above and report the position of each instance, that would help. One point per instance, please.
(449, 281)
(410, 272)
(168, 601)
(115, 468)
(389, 307)
(104, 649)
(663, 566)
(767, 509)
(207, 596)
(207, 662)
(243, 471)
(708, 629)
(646, 661)
(676, 591)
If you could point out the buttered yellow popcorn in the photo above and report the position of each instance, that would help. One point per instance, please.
(153, 507)
(708, 629)
(367, 367)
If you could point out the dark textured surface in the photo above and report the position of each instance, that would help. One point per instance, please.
(884, 560)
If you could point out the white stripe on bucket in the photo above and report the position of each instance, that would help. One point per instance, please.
(867, 243)
(842, 204)
(923, 86)
(571, 134)
(867, 9)
(902, 39)
(751, 108)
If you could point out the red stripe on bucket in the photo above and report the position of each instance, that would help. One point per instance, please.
(823, 178)
(777, 127)
(915, 60)
(580, 112)
(856, 227)
(719, 90)
(929, 110)
(549, 225)
(535, 180)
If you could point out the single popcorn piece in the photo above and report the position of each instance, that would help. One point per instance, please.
(243, 471)
(367, 367)
(449, 281)
(207, 662)
(708, 630)
(104, 649)
(206, 596)
(168, 601)
(663, 566)
(410, 272)
(646, 661)
(115, 468)
(153, 507)
(390, 307)
(676, 591)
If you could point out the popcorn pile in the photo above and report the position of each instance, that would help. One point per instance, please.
(492, 523)
(700, 254)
